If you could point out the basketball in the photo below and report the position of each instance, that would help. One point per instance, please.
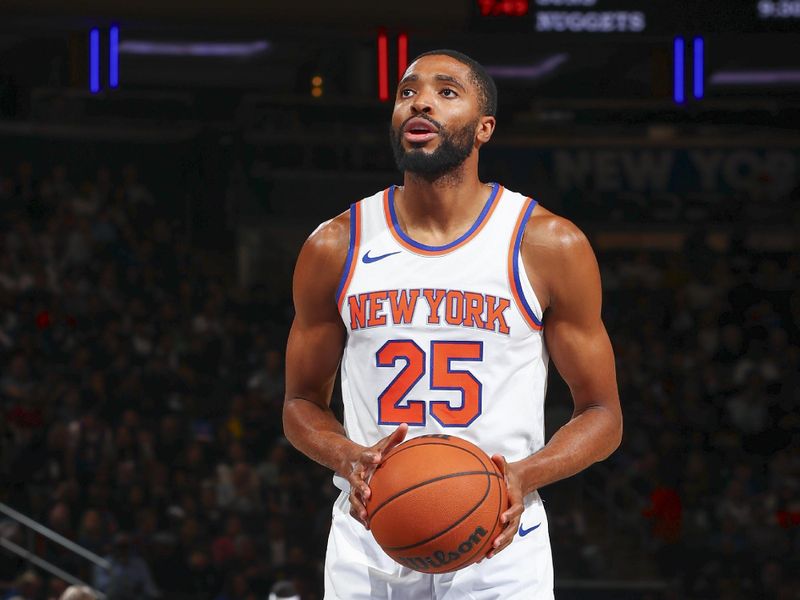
(436, 503)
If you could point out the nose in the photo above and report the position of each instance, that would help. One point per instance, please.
(422, 103)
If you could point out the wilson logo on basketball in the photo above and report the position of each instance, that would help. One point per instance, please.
(440, 558)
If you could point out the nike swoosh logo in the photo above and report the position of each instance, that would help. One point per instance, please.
(524, 532)
(371, 259)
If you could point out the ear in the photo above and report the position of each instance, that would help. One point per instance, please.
(485, 129)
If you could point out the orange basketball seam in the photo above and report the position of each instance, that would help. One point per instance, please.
(452, 525)
(404, 447)
(424, 483)
(490, 538)
(410, 445)
(493, 534)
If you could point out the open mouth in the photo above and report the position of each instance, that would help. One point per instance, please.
(418, 130)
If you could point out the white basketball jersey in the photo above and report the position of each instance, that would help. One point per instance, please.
(445, 338)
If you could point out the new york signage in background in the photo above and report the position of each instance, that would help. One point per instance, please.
(689, 183)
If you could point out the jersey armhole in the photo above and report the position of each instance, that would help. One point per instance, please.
(352, 253)
(521, 288)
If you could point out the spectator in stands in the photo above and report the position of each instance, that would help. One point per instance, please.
(129, 577)
(268, 379)
(56, 588)
(26, 587)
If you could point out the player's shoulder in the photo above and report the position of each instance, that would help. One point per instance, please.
(551, 232)
(333, 236)
(330, 239)
(558, 257)
(321, 260)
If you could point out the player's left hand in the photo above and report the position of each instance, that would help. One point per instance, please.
(363, 468)
(510, 518)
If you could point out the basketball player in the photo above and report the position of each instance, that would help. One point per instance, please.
(443, 299)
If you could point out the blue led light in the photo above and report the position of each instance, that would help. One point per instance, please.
(113, 57)
(678, 92)
(94, 61)
(699, 75)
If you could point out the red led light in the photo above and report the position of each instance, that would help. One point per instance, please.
(402, 55)
(503, 8)
(383, 66)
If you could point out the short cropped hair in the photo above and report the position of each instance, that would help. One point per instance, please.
(482, 79)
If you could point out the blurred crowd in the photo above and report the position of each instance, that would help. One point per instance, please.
(141, 397)
(141, 394)
(708, 350)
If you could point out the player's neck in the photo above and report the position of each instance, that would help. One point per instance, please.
(440, 208)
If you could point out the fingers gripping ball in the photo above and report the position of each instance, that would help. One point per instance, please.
(435, 503)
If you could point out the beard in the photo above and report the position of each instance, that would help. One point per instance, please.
(454, 148)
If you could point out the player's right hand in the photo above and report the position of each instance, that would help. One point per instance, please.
(363, 468)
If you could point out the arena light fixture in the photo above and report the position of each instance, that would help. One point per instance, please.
(94, 60)
(402, 55)
(198, 49)
(756, 77)
(530, 72)
(698, 73)
(113, 57)
(678, 52)
(383, 66)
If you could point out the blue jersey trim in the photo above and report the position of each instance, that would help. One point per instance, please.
(486, 208)
(517, 281)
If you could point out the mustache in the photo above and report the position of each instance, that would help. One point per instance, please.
(433, 122)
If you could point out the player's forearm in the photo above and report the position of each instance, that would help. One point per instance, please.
(317, 433)
(587, 438)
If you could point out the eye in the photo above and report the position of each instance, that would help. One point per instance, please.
(406, 92)
(449, 93)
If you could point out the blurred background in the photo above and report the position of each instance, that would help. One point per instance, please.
(160, 165)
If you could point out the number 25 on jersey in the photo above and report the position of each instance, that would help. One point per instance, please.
(442, 377)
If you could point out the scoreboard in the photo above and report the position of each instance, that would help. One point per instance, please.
(779, 9)
(687, 50)
(656, 17)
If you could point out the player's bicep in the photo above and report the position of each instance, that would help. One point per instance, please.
(312, 359)
(316, 339)
(585, 359)
(574, 332)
